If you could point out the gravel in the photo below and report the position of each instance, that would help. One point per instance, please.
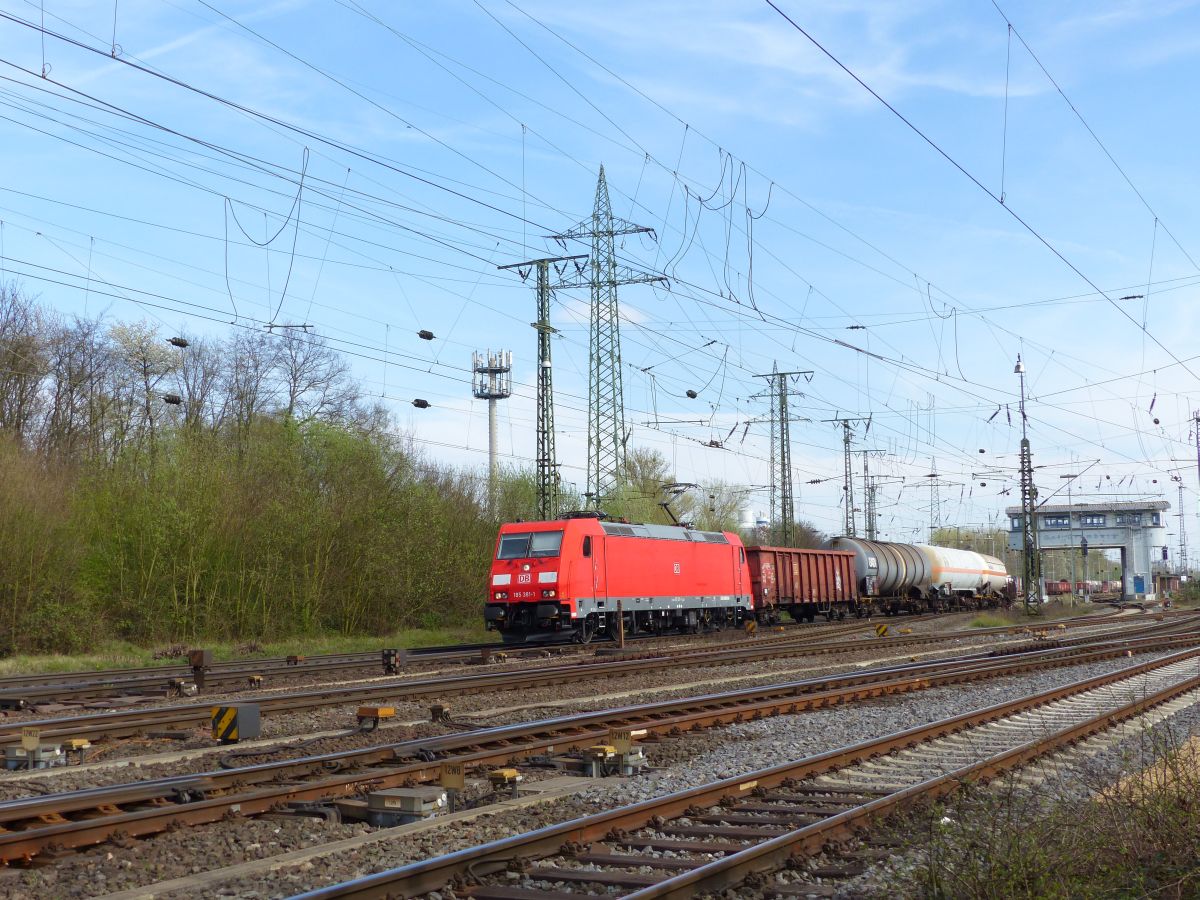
(483, 708)
(689, 760)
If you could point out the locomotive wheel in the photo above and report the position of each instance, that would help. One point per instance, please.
(584, 635)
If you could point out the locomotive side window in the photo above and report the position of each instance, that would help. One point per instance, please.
(587, 545)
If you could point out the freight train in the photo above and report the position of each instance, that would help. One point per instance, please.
(572, 577)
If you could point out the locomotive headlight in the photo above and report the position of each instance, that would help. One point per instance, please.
(525, 568)
(501, 595)
(548, 593)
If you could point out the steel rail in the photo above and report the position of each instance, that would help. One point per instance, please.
(123, 723)
(130, 723)
(36, 823)
(19, 690)
(770, 854)
(133, 722)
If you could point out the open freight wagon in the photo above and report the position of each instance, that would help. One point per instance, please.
(804, 583)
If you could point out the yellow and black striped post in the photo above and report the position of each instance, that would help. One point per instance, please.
(238, 722)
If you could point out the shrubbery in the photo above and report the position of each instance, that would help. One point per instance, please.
(235, 488)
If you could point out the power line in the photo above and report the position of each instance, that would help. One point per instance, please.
(1007, 208)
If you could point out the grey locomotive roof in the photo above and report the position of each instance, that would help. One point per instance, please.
(663, 533)
(1120, 506)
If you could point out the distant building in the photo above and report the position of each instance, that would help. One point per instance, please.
(1137, 528)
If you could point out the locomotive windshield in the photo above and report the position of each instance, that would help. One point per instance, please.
(529, 543)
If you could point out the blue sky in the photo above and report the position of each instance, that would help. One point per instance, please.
(438, 141)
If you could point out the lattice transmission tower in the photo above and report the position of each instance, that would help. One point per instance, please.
(606, 402)
(569, 271)
(783, 505)
(849, 525)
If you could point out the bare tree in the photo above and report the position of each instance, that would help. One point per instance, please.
(199, 378)
(23, 364)
(80, 400)
(247, 380)
(147, 361)
(314, 380)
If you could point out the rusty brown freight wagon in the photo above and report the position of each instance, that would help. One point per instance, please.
(805, 583)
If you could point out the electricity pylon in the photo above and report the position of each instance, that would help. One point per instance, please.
(781, 456)
(547, 462)
(606, 402)
(848, 424)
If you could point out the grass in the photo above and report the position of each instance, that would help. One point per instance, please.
(1138, 837)
(1046, 612)
(123, 655)
(989, 620)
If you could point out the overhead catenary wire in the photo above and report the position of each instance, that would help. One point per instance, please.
(966, 173)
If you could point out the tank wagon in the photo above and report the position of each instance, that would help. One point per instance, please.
(566, 579)
(923, 578)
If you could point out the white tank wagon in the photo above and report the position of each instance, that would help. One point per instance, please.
(918, 577)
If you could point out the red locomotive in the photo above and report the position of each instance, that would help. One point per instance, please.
(568, 578)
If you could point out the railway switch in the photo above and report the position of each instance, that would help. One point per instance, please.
(633, 762)
(43, 756)
(32, 753)
(254, 680)
(369, 716)
(393, 660)
(399, 806)
(505, 778)
(439, 713)
(295, 660)
(237, 722)
(601, 759)
(77, 746)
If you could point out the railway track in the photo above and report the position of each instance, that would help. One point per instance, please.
(24, 691)
(31, 826)
(136, 722)
(714, 837)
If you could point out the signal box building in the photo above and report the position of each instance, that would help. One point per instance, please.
(1136, 528)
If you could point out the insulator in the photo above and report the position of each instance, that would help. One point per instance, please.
(421, 404)
(178, 342)
(692, 395)
(172, 399)
(425, 334)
